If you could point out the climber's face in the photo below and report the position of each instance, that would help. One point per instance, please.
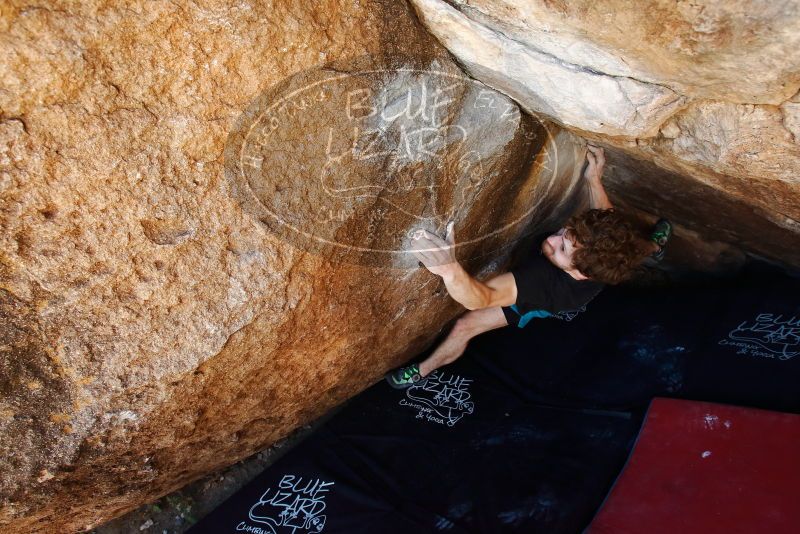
(559, 249)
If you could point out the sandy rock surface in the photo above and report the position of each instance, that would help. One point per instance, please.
(699, 100)
(163, 316)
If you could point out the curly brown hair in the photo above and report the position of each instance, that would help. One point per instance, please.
(608, 248)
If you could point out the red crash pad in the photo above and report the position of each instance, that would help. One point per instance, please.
(707, 468)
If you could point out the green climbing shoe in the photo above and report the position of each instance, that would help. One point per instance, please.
(660, 236)
(404, 377)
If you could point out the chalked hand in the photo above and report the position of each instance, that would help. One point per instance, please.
(596, 157)
(433, 252)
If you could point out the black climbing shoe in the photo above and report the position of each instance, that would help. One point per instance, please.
(404, 377)
(660, 236)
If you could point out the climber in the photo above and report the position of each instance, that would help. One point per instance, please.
(593, 249)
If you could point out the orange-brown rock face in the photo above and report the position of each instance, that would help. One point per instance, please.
(205, 213)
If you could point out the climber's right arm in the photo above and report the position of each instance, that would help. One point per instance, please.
(475, 295)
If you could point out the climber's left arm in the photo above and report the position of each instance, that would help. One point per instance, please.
(598, 199)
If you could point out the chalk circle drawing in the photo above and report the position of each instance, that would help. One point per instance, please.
(440, 398)
(294, 505)
(769, 335)
(348, 161)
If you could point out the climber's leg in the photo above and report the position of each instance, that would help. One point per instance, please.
(467, 326)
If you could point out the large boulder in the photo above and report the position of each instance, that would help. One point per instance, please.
(697, 101)
(206, 209)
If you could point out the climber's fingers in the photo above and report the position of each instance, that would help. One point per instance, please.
(597, 153)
